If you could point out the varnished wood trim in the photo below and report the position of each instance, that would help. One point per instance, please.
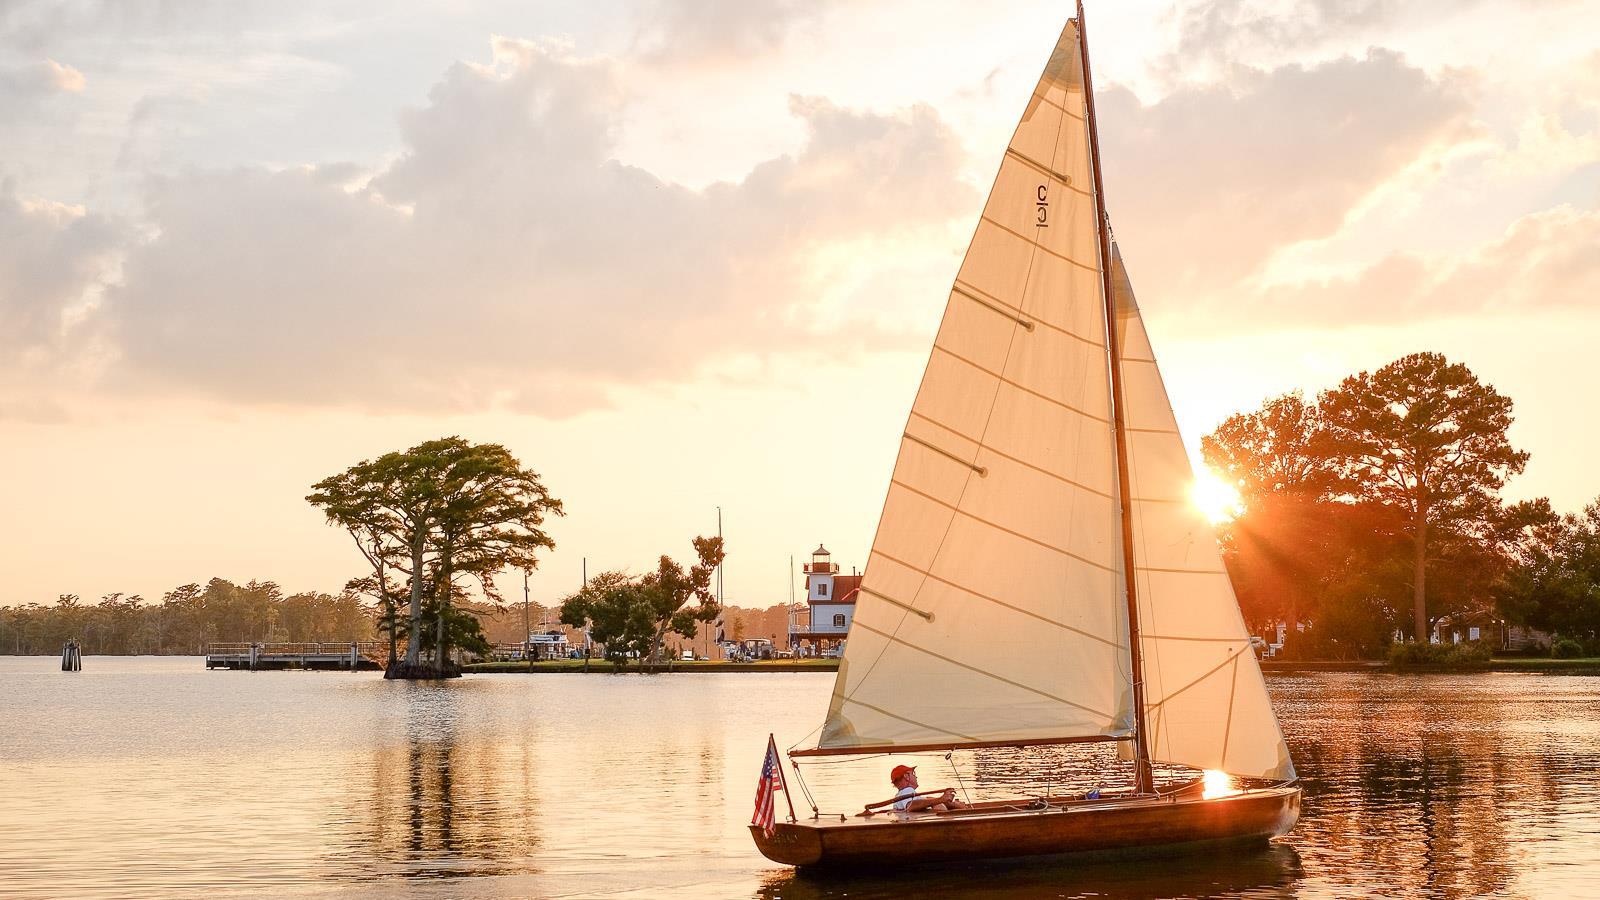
(971, 745)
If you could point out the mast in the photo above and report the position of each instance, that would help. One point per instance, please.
(1144, 780)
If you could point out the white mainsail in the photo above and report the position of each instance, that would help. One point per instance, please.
(991, 608)
(1206, 704)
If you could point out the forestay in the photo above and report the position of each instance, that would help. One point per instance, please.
(1206, 704)
(992, 605)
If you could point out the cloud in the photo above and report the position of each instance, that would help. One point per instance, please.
(1212, 179)
(505, 258)
(701, 30)
(1543, 261)
(54, 262)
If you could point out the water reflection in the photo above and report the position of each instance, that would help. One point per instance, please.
(1269, 871)
(444, 802)
(180, 781)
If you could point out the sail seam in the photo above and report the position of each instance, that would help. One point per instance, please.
(971, 668)
(966, 590)
(1041, 168)
(966, 737)
(1021, 462)
(1231, 657)
(986, 298)
(1026, 390)
(927, 616)
(992, 307)
(1017, 234)
(1001, 528)
(1062, 109)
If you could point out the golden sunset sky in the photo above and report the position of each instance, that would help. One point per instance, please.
(686, 253)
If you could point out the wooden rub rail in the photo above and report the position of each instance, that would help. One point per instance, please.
(347, 655)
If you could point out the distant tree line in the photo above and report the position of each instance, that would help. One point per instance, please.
(1376, 511)
(185, 620)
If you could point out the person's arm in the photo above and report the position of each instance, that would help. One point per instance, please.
(923, 803)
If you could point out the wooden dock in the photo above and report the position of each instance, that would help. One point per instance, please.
(351, 656)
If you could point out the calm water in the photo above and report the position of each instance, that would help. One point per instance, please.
(153, 777)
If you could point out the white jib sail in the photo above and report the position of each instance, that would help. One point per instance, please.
(1206, 704)
(992, 606)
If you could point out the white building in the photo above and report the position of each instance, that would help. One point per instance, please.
(830, 606)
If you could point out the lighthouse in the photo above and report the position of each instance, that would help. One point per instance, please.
(831, 602)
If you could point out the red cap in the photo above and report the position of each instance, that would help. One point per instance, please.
(899, 772)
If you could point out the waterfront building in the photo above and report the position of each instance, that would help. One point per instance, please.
(820, 627)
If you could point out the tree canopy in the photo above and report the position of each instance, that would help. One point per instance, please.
(444, 511)
(631, 615)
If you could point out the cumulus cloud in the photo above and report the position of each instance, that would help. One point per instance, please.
(54, 262)
(1212, 179)
(506, 258)
(1545, 260)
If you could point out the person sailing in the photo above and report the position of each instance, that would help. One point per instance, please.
(907, 801)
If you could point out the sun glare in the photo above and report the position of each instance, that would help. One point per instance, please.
(1217, 784)
(1216, 499)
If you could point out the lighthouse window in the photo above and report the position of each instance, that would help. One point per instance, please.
(838, 620)
(822, 589)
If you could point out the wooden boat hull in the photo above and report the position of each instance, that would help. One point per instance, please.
(1146, 826)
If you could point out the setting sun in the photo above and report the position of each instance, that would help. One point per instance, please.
(1218, 500)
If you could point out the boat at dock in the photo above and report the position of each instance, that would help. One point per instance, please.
(1041, 498)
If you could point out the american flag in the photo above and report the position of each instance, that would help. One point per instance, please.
(767, 788)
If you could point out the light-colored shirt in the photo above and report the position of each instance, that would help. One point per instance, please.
(903, 798)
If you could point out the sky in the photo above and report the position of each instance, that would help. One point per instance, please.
(684, 256)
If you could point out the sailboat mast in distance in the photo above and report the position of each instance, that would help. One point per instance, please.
(1144, 779)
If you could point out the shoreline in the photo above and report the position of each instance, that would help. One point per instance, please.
(1527, 665)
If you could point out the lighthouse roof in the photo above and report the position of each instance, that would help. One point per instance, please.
(821, 551)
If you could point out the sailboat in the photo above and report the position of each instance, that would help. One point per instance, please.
(1039, 575)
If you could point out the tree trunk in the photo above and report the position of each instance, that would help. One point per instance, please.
(1418, 576)
(442, 634)
(414, 647)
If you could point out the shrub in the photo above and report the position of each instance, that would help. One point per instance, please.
(1465, 653)
(1413, 654)
(1469, 652)
(1566, 648)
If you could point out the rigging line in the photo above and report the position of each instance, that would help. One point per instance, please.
(949, 757)
(998, 602)
(1165, 571)
(1001, 528)
(1177, 637)
(1038, 246)
(987, 298)
(982, 472)
(1022, 462)
(985, 672)
(1017, 385)
(1172, 431)
(1227, 728)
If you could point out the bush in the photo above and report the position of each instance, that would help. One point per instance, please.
(1469, 652)
(1566, 648)
(1413, 654)
(1465, 653)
